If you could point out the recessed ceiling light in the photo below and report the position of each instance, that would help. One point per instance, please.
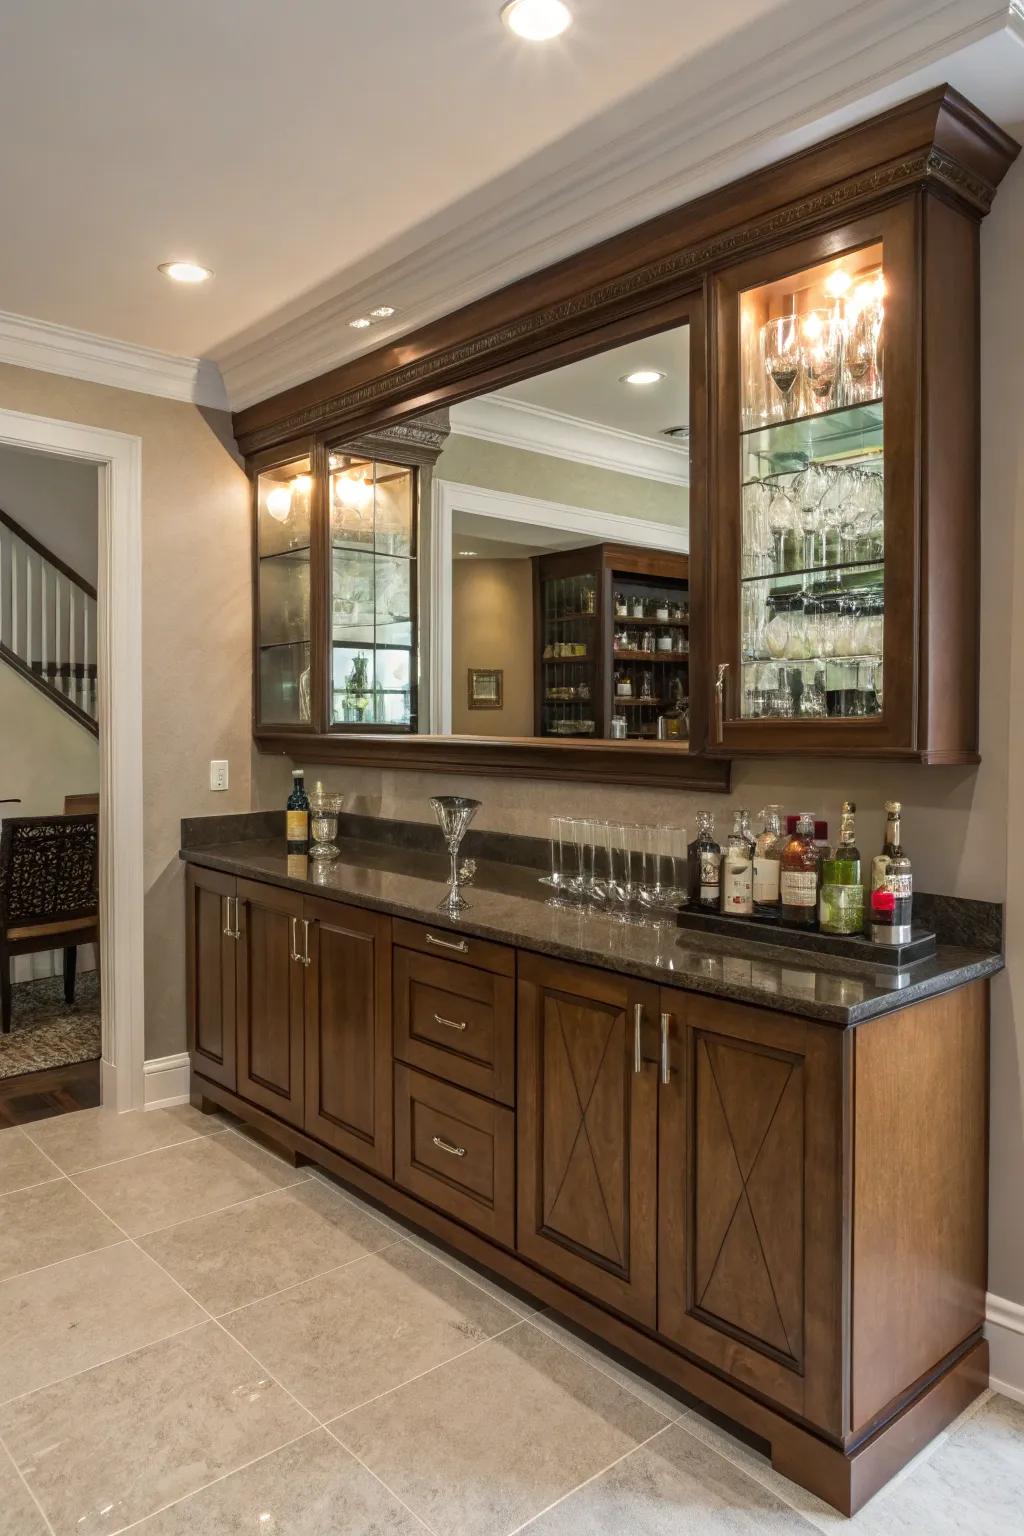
(360, 324)
(536, 20)
(383, 311)
(467, 554)
(184, 271)
(642, 376)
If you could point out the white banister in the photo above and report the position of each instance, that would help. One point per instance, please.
(48, 621)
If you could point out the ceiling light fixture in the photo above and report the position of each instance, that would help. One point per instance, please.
(467, 554)
(383, 312)
(642, 376)
(360, 324)
(185, 271)
(538, 21)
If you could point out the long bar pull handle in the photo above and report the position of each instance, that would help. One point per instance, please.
(461, 947)
(238, 924)
(305, 941)
(459, 1024)
(723, 667)
(446, 1146)
(666, 1070)
(638, 1024)
(295, 941)
(232, 932)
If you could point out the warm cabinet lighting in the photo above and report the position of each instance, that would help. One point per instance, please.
(184, 271)
(383, 312)
(360, 324)
(536, 20)
(279, 502)
(642, 376)
(353, 491)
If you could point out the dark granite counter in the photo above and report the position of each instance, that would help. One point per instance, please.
(507, 903)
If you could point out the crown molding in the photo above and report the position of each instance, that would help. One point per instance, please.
(520, 424)
(48, 348)
(697, 128)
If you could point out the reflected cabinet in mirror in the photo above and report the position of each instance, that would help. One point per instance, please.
(709, 489)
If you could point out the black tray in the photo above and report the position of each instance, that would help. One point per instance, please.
(848, 946)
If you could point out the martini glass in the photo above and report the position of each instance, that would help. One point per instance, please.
(454, 814)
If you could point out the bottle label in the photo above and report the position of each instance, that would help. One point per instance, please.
(297, 826)
(799, 888)
(737, 888)
(709, 877)
(766, 880)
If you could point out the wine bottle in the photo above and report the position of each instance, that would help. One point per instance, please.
(798, 883)
(841, 903)
(704, 858)
(297, 814)
(767, 863)
(892, 885)
(737, 869)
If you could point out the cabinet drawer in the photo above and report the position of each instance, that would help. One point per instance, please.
(457, 1022)
(461, 948)
(457, 1152)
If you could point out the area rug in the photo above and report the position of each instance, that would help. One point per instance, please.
(47, 1032)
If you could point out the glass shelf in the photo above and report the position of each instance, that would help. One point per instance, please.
(832, 572)
(785, 447)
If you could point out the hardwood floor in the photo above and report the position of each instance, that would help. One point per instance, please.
(36, 1095)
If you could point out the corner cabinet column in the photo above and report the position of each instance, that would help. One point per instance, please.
(271, 977)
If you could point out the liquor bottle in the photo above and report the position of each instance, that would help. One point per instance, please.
(621, 606)
(297, 814)
(623, 685)
(767, 863)
(841, 903)
(798, 878)
(892, 885)
(704, 856)
(737, 869)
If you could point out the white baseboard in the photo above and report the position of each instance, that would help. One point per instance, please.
(166, 1081)
(1004, 1328)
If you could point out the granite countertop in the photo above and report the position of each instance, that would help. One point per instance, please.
(507, 903)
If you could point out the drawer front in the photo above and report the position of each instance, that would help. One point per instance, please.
(461, 948)
(457, 1152)
(456, 1022)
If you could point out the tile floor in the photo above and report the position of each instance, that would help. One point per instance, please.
(197, 1339)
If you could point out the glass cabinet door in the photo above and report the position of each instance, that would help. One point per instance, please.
(814, 562)
(373, 664)
(283, 517)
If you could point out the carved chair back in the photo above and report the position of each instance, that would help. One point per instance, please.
(48, 869)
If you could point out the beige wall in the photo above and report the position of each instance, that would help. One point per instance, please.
(195, 643)
(492, 626)
(56, 501)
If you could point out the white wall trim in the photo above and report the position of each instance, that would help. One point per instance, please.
(167, 1080)
(450, 497)
(51, 348)
(119, 637)
(520, 424)
(1004, 1327)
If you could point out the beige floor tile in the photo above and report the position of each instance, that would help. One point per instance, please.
(239, 1255)
(21, 1162)
(47, 1223)
(653, 1396)
(345, 1337)
(521, 1304)
(114, 1444)
(673, 1486)
(487, 1442)
(178, 1183)
(85, 1310)
(311, 1488)
(19, 1515)
(94, 1136)
(399, 1228)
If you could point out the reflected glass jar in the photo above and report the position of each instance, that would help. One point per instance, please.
(776, 631)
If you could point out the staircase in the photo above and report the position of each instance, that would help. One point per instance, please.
(48, 623)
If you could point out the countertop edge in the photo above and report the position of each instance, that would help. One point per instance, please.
(828, 1013)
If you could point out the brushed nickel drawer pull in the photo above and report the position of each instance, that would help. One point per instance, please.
(446, 1146)
(231, 932)
(461, 947)
(295, 941)
(666, 1070)
(638, 1024)
(450, 1023)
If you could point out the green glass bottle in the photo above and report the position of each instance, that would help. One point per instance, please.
(841, 899)
(297, 814)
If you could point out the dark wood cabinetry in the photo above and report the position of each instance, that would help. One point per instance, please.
(210, 929)
(269, 1020)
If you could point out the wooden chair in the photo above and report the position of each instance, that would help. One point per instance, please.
(49, 893)
(82, 805)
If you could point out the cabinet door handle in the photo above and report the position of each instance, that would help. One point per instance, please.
(638, 1024)
(446, 1146)
(295, 941)
(305, 941)
(460, 947)
(232, 932)
(450, 1023)
(723, 667)
(666, 1070)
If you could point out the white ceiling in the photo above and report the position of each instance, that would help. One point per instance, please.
(592, 390)
(325, 155)
(499, 538)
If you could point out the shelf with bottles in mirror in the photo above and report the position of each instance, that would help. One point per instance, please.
(283, 501)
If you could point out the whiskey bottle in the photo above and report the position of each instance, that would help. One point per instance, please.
(704, 855)
(798, 879)
(841, 903)
(297, 815)
(737, 869)
(767, 863)
(892, 885)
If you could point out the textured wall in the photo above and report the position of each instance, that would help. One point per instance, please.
(492, 626)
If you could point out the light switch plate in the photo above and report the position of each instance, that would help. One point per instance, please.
(218, 773)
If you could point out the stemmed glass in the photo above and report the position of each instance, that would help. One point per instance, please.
(757, 554)
(454, 814)
(821, 353)
(809, 490)
(781, 520)
(780, 341)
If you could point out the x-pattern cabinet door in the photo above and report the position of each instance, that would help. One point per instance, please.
(271, 975)
(750, 1199)
(587, 1117)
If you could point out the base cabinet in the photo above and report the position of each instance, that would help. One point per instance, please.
(270, 975)
(210, 963)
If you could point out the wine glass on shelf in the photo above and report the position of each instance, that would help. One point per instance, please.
(809, 490)
(757, 548)
(780, 341)
(865, 316)
(781, 522)
(821, 352)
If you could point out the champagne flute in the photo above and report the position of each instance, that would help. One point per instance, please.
(821, 351)
(780, 340)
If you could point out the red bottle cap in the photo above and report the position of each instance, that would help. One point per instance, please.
(883, 902)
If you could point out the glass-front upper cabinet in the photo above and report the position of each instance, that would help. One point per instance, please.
(284, 519)
(373, 659)
(818, 527)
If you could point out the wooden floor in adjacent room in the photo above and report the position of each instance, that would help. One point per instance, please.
(36, 1095)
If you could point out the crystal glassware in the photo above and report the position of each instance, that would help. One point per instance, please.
(780, 341)
(324, 810)
(454, 814)
(821, 352)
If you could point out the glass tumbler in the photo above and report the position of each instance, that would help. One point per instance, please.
(324, 810)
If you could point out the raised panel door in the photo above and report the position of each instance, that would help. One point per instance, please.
(750, 1199)
(587, 1131)
(348, 1032)
(271, 974)
(210, 970)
